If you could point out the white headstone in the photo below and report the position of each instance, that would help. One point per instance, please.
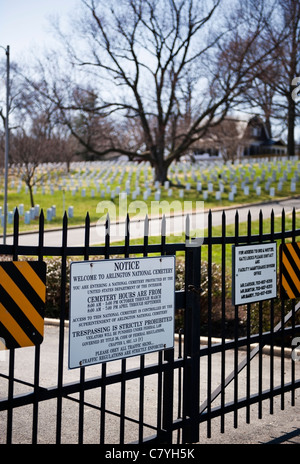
(10, 217)
(49, 214)
(27, 217)
(20, 208)
(71, 211)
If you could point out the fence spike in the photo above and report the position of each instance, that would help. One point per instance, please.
(127, 225)
(187, 227)
(146, 226)
(87, 234)
(163, 226)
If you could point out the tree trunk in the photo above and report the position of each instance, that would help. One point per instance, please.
(161, 170)
(291, 127)
(31, 195)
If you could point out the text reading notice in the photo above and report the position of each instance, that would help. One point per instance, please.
(120, 308)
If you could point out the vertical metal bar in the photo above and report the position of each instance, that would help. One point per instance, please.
(61, 327)
(37, 348)
(141, 398)
(209, 321)
(11, 368)
(142, 357)
(248, 374)
(282, 319)
(168, 377)
(159, 393)
(260, 340)
(236, 317)
(82, 369)
(179, 382)
(163, 235)
(272, 331)
(187, 343)
(104, 365)
(223, 352)
(191, 380)
(168, 395)
(293, 318)
(123, 362)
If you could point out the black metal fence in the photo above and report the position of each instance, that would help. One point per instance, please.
(165, 396)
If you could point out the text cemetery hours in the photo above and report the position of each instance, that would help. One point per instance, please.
(120, 308)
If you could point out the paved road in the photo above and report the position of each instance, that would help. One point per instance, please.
(175, 225)
(281, 427)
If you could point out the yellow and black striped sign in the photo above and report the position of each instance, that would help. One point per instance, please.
(289, 270)
(22, 303)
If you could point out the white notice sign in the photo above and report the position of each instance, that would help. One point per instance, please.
(254, 273)
(120, 308)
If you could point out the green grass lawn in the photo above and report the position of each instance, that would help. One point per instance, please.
(63, 197)
(217, 232)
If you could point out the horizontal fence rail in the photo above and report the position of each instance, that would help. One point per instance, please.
(208, 374)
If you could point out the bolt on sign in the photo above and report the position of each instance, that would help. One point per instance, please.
(22, 303)
(120, 308)
(289, 270)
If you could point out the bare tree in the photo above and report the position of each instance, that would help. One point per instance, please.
(272, 89)
(164, 70)
(27, 153)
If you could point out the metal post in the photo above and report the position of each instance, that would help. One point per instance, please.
(6, 145)
(191, 376)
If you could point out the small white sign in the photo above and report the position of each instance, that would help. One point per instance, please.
(120, 308)
(254, 273)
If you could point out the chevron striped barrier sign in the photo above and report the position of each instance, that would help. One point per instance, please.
(289, 270)
(22, 303)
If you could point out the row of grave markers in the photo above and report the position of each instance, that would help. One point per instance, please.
(94, 178)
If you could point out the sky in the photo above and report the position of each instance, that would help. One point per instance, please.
(24, 24)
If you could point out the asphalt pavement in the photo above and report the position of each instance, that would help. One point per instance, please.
(282, 427)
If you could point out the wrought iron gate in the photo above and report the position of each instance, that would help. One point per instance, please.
(163, 397)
